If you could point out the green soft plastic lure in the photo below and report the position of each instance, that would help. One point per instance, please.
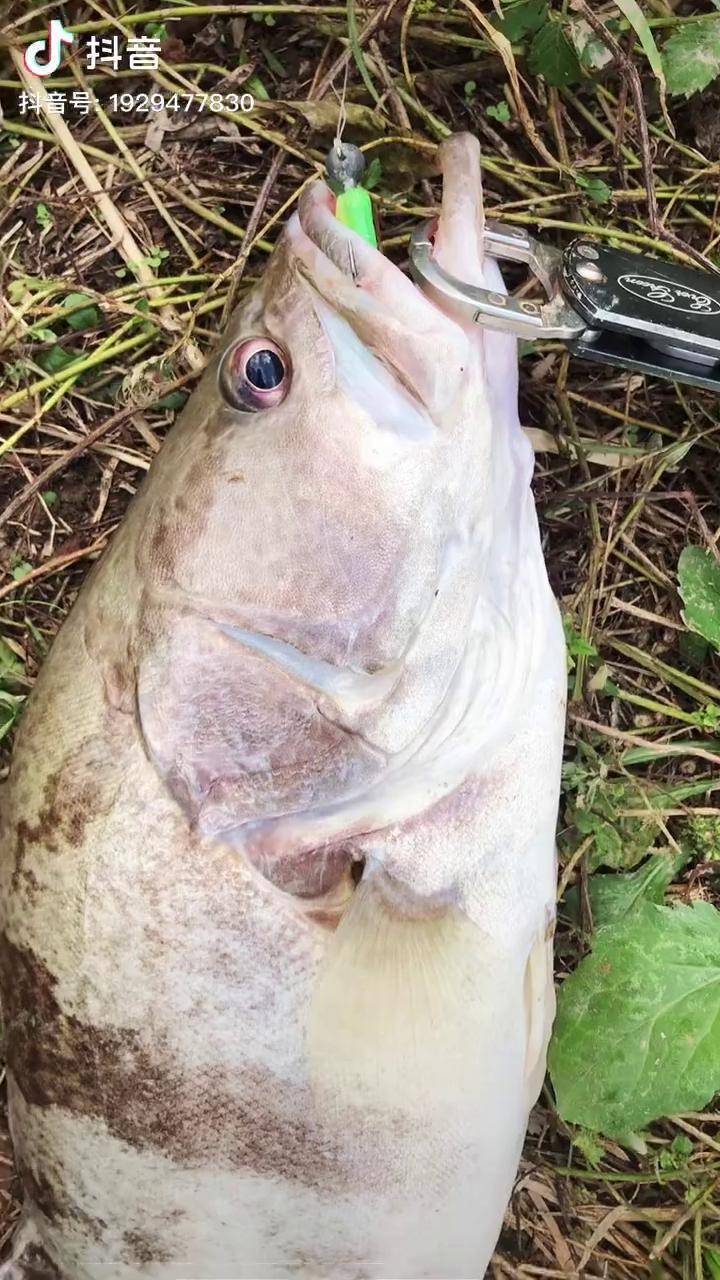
(345, 166)
(354, 209)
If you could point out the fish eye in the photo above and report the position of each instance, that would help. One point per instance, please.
(255, 374)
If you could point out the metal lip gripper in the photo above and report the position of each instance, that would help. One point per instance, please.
(606, 305)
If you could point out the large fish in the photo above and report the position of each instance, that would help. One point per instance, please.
(278, 853)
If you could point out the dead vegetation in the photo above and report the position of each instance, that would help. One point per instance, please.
(124, 241)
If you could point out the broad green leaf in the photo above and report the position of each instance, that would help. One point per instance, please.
(699, 581)
(613, 896)
(84, 313)
(522, 18)
(637, 1035)
(691, 56)
(553, 57)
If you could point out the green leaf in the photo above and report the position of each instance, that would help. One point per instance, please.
(699, 581)
(10, 708)
(20, 570)
(701, 835)
(357, 51)
(637, 1034)
(10, 664)
(676, 1155)
(588, 1146)
(156, 257)
(553, 57)
(25, 284)
(256, 87)
(613, 896)
(678, 747)
(594, 188)
(575, 642)
(84, 313)
(522, 19)
(711, 1258)
(55, 360)
(691, 56)
(43, 216)
(470, 89)
(599, 809)
(499, 111)
(273, 62)
(708, 717)
(373, 174)
(609, 848)
(173, 400)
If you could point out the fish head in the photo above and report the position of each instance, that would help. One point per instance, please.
(328, 540)
(313, 482)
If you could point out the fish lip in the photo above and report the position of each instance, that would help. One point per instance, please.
(425, 350)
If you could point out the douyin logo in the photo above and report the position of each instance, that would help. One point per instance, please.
(43, 57)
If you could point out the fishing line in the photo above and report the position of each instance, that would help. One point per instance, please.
(342, 115)
(345, 168)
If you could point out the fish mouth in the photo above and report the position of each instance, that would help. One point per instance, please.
(425, 351)
(427, 346)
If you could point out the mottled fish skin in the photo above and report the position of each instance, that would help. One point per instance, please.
(322, 639)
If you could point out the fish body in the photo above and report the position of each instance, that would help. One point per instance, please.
(278, 869)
